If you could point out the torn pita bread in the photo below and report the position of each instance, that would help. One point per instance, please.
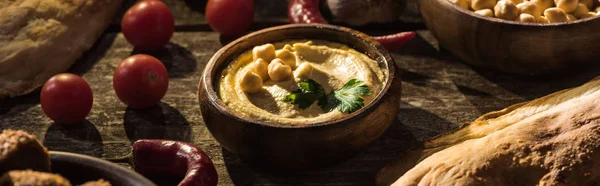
(553, 140)
(41, 38)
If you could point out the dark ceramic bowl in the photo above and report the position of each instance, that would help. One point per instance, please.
(296, 147)
(79, 169)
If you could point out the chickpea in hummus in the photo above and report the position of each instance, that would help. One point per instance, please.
(259, 83)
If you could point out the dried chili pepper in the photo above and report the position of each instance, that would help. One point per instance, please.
(160, 158)
(307, 11)
(395, 41)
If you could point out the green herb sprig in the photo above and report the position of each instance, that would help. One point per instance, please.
(348, 98)
(309, 92)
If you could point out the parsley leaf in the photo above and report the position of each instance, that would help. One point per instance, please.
(349, 98)
(309, 92)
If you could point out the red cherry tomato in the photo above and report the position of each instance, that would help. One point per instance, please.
(141, 81)
(148, 25)
(66, 98)
(230, 17)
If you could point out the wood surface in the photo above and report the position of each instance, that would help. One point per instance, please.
(526, 48)
(439, 93)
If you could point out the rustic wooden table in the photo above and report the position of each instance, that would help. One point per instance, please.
(439, 94)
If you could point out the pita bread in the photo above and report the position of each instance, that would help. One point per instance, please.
(553, 140)
(41, 38)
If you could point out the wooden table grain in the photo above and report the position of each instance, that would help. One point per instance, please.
(439, 94)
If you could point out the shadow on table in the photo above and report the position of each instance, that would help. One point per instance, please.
(157, 122)
(531, 87)
(486, 102)
(115, 25)
(94, 54)
(197, 5)
(425, 126)
(224, 40)
(179, 61)
(517, 88)
(419, 47)
(358, 170)
(165, 181)
(19, 103)
(81, 138)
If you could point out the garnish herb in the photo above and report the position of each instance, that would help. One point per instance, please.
(309, 92)
(348, 98)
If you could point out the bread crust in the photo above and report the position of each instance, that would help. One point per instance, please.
(41, 38)
(32, 178)
(553, 140)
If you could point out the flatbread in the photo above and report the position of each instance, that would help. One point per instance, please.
(41, 38)
(553, 140)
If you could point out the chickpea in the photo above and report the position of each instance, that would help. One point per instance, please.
(260, 68)
(303, 71)
(542, 19)
(555, 15)
(482, 4)
(278, 70)
(266, 51)
(588, 3)
(464, 4)
(506, 10)
(288, 47)
(251, 82)
(485, 12)
(567, 5)
(543, 4)
(527, 18)
(516, 2)
(530, 8)
(580, 10)
(287, 57)
(589, 14)
(571, 18)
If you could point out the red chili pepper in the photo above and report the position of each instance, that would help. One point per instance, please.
(395, 41)
(307, 11)
(160, 158)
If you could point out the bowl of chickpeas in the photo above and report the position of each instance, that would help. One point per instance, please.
(517, 36)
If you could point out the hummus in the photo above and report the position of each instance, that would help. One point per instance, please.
(333, 65)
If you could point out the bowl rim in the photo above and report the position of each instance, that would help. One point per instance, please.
(498, 20)
(215, 100)
(103, 165)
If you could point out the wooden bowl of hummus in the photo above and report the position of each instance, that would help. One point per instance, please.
(299, 96)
